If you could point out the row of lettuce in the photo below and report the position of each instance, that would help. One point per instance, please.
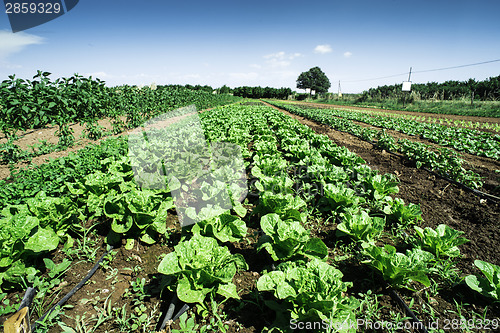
(442, 160)
(461, 139)
(478, 125)
(294, 174)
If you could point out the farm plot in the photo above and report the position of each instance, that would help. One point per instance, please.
(40, 117)
(319, 236)
(482, 123)
(475, 173)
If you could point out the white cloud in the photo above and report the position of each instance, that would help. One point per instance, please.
(280, 59)
(9, 66)
(347, 54)
(15, 42)
(322, 49)
(257, 66)
(100, 75)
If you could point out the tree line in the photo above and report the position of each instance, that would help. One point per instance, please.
(259, 92)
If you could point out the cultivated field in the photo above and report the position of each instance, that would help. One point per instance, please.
(305, 216)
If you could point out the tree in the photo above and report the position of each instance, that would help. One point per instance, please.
(472, 84)
(314, 79)
(224, 90)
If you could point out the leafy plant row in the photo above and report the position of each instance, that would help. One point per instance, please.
(462, 139)
(27, 104)
(445, 161)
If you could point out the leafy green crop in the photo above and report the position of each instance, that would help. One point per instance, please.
(225, 227)
(402, 215)
(309, 291)
(338, 198)
(445, 161)
(361, 227)
(443, 241)
(202, 267)
(285, 239)
(489, 286)
(398, 268)
(286, 206)
(22, 236)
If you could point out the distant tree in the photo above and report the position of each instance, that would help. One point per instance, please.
(304, 81)
(472, 85)
(224, 90)
(314, 79)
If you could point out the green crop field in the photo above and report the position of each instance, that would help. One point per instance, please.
(213, 213)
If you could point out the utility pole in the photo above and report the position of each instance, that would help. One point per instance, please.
(340, 91)
(404, 88)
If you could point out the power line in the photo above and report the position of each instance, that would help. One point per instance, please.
(442, 69)
(424, 71)
(376, 78)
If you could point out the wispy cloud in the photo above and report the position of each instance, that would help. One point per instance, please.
(100, 75)
(323, 49)
(280, 59)
(15, 42)
(347, 54)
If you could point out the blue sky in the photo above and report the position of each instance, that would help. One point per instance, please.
(266, 43)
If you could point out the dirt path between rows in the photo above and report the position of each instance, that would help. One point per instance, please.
(440, 201)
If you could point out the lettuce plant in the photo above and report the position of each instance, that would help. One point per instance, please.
(403, 214)
(202, 267)
(285, 239)
(309, 291)
(225, 227)
(443, 241)
(398, 268)
(380, 186)
(340, 198)
(139, 212)
(22, 236)
(489, 286)
(361, 227)
(286, 206)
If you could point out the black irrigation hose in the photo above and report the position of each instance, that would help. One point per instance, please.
(170, 312)
(419, 325)
(27, 298)
(184, 308)
(74, 290)
(465, 187)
